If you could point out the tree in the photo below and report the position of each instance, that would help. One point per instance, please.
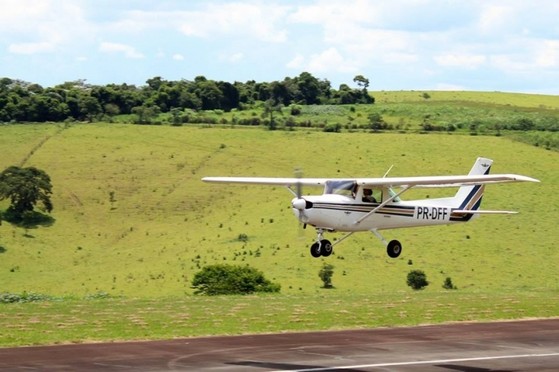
(270, 106)
(146, 114)
(215, 280)
(325, 274)
(25, 187)
(230, 96)
(417, 280)
(376, 122)
(309, 89)
(209, 93)
(361, 81)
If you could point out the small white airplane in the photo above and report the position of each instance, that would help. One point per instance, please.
(370, 204)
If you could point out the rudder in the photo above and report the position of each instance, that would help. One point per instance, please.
(469, 197)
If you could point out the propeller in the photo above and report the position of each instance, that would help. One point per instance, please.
(299, 202)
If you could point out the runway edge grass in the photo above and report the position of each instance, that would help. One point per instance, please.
(78, 321)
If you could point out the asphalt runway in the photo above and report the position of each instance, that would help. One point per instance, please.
(469, 347)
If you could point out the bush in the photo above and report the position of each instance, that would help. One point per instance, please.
(448, 284)
(417, 280)
(325, 274)
(10, 298)
(332, 128)
(231, 280)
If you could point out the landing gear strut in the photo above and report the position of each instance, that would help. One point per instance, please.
(324, 248)
(393, 248)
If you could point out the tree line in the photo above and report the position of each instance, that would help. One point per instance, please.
(30, 102)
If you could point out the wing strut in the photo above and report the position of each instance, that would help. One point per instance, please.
(342, 238)
(406, 188)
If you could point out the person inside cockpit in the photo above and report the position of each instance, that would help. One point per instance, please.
(368, 196)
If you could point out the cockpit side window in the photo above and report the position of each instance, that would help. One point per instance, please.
(372, 195)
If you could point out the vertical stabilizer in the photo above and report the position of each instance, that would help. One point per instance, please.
(469, 197)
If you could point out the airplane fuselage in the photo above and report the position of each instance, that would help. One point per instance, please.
(341, 213)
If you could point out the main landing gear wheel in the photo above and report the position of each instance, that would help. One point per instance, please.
(326, 248)
(322, 248)
(315, 250)
(394, 248)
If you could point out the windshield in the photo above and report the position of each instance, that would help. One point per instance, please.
(346, 188)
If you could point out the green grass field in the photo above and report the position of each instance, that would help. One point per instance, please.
(133, 219)
(476, 113)
(493, 98)
(79, 321)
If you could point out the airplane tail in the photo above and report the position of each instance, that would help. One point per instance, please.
(468, 198)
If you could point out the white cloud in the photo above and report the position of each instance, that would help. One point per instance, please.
(330, 13)
(178, 57)
(258, 21)
(233, 57)
(127, 50)
(31, 48)
(296, 63)
(494, 17)
(329, 60)
(37, 26)
(547, 55)
(236, 57)
(460, 60)
(510, 63)
(528, 56)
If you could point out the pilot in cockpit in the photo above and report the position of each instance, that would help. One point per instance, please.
(368, 196)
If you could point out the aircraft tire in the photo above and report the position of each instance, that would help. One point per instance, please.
(326, 248)
(394, 249)
(315, 250)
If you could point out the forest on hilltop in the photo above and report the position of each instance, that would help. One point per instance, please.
(29, 102)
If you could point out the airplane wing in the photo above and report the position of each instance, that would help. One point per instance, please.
(269, 180)
(423, 181)
(444, 181)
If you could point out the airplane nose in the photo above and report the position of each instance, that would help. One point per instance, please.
(301, 204)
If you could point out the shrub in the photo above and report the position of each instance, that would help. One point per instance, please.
(10, 298)
(332, 128)
(417, 280)
(325, 274)
(448, 284)
(230, 280)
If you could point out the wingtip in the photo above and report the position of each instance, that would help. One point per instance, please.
(529, 179)
(520, 178)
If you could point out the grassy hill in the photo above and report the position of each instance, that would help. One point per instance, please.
(133, 219)
(528, 118)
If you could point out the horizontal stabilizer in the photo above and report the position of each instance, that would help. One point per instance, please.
(482, 212)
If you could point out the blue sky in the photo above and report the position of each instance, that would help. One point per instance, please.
(487, 45)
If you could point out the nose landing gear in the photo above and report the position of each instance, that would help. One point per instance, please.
(321, 247)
